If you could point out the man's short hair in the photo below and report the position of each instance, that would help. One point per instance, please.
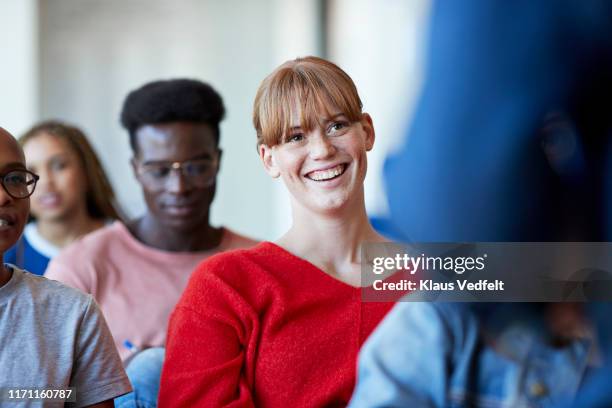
(174, 100)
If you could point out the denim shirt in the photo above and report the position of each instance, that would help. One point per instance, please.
(458, 355)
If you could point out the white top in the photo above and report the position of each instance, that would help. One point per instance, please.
(40, 244)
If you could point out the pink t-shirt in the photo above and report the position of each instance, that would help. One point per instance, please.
(136, 286)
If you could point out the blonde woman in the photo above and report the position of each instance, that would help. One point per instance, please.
(280, 325)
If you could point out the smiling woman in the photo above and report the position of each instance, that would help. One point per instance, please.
(281, 324)
(73, 198)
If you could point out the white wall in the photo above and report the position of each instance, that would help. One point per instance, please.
(94, 52)
(18, 64)
(297, 33)
(381, 44)
(77, 59)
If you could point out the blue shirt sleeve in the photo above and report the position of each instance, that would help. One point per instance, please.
(405, 362)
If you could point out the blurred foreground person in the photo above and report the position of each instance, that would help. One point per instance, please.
(52, 336)
(138, 270)
(478, 165)
(280, 325)
(73, 196)
(438, 354)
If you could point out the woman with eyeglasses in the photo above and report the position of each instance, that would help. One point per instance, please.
(280, 324)
(73, 198)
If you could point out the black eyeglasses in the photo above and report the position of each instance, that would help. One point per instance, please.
(19, 184)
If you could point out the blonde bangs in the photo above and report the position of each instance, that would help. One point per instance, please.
(318, 88)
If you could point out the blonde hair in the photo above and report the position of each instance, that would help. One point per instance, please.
(312, 85)
(100, 197)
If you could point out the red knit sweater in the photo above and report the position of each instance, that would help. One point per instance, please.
(262, 327)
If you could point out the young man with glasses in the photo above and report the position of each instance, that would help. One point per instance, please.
(55, 345)
(137, 271)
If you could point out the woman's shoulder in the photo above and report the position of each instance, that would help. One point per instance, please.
(241, 270)
(236, 277)
(264, 265)
(256, 257)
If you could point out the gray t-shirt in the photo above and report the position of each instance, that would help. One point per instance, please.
(53, 336)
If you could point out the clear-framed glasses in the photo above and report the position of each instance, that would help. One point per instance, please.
(19, 184)
(198, 172)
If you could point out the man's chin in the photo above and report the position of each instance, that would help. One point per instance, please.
(185, 224)
(7, 242)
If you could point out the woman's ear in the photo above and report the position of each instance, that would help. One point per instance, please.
(368, 127)
(266, 154)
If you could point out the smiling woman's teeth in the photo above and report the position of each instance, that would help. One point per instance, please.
(321, 175)
(4, 223)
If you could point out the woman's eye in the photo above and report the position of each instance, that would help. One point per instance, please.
(58, 165)
(337, 127)
(297, 137)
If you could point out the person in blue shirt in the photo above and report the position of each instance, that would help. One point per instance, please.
(511, 141)
(73, 198)
(437, 354)
(476, 164)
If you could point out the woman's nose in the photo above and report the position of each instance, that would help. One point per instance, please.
(46, 177)
(321, 146)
